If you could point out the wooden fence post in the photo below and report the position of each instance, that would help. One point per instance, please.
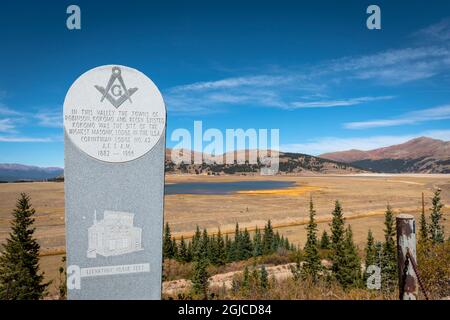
(406, 241)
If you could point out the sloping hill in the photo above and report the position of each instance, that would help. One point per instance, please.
(14, 172)
(420, 155)
(289, 163)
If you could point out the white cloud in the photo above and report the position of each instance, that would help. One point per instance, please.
(438, 32)
(287, 88)
(8, 111)
(430, 114)
(337, 103)
(24, 139)
(253, 81)
(7, 125)
(332, 144)
(52, 119)
(394, 66)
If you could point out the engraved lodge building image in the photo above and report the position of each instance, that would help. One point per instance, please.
(114, 235)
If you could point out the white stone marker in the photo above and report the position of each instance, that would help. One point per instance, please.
(114, 121)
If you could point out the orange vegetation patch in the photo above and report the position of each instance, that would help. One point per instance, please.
(294, 191)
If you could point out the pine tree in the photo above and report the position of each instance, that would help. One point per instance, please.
(287, 245)
(175, 248)
(423, 227)
(245, 278)
(167, 243)
(62, 287)
(325, 241)
(370, 252)
(189, 252)
(20, 278)
(268, 238)
(204, 246)
(257, 243)
(182, 251)
(312, 264)
(337, 241)
(263, 278)
(229, 253)
(200, 278)
(246, 248)
(254, 278)
(389, 276)
(196, 244)
(436, 229)
(276, 242)
(236, 244)
(221, 252)
(378, 253)
(350, 272)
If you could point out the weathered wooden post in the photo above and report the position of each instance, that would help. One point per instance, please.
(406, 249)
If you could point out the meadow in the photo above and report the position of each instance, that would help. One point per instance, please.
(364, 199)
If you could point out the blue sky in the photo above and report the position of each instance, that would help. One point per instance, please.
(313, 70)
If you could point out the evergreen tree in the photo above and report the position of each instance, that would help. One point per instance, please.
(325, 241)
(20, 278)
(276, 242)
(389, 276)
(204, 245)
(221, 252)
(423, 227)
(246, 247)
(263, 278)
(257, 243)
(175, 248)
(167, 243)
(196, 244)
(200, 278)
(268, 238)
(182, 251)
(189, 253)
(229, 253)
(312, 264)
(337, 242)
(254, 278)
(436, 229)
(236, 244)
(350, 272)
(378, 253)
(62, 287)
(245, 278)
(212, 250)
(370, 251)
(287, 245)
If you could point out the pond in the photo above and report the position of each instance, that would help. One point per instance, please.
(210, 188)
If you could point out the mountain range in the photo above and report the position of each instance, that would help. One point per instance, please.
(420, 155)
(14, 172)
(289, 163)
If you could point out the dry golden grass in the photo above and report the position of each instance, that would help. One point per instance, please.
(363, 197)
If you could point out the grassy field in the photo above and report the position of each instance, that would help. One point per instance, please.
(363, 197)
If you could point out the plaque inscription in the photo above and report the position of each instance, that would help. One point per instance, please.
(114, 113)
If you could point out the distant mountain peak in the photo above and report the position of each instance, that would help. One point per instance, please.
(421, 154)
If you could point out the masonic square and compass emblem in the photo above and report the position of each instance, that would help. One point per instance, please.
(116, 91)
